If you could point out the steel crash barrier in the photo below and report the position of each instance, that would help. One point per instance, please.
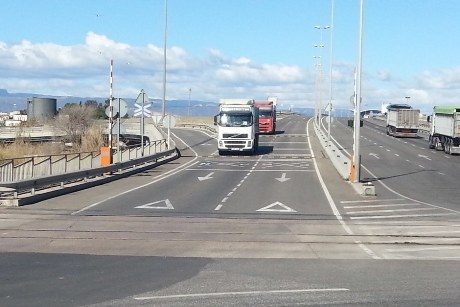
(29, 182)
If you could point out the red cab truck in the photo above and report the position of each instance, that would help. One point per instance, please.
(267, 117)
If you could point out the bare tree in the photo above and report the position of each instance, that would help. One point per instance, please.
(75, 119)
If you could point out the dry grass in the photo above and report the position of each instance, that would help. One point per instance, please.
(21, 149)
(195, 120)
(92, 140)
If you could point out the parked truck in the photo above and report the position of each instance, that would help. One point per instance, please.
(237, 126)
(445, 129)
(402, 120)
(267, 116)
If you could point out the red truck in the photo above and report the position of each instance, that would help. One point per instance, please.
(267, 116)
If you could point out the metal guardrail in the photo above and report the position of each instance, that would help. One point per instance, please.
(10, 191)
(199, 126)
(31, 167)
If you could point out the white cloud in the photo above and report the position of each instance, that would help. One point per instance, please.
(83, 70)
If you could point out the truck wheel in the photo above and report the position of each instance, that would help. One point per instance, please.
(430, 143)
(448, 147)
(438, 145)
(221, 153)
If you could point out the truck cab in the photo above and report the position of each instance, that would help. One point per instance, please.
(237, 126)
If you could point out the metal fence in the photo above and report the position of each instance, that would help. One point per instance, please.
(18, 169)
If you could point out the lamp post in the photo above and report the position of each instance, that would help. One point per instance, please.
(355, 171)
(320, 73)
(163, 112)
(330, 74)
(317, 69)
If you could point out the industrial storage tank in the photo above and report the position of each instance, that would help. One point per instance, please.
(39, 108)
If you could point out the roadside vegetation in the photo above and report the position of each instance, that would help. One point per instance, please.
(79, 123)
(83, 128)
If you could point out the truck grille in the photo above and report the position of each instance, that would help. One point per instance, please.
(235, 135)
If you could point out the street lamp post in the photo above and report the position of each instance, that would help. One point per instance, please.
(163, 112)
(320, 82)
(355, 171)
(317, 69)
(330, 74)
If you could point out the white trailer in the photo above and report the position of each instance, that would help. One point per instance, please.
(445, 129)
(237, 126)
(402, 120)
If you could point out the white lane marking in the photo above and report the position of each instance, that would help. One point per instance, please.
(423, 156)
(419, 249)
(167, 205)
(283, 178)
(379, 206)
(336, 212)
(421, 166)
(208, 176)
(374, 155)
(219, 206)
(369, 200)
(447, 231)
(398, 216)
(237, 293)
(270, 208)
(390, 210)
(161, 177)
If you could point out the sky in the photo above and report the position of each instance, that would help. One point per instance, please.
(234, 49)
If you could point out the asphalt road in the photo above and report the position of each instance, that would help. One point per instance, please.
(280, 228)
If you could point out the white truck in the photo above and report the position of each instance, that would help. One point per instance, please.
(237, 126)
(445, 129)
(402, 120)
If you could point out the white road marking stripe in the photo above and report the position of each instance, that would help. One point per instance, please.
(379, 206)
(397, 216)
(369, 200)
(390, 210)
(237, 293)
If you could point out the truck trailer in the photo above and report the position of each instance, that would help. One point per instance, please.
(402, 120)
(267, 116)
(445, 129)
(237, 126)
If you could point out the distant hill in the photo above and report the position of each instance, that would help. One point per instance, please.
(18, 101)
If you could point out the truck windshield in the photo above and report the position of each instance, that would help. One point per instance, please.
(232, 119)
(265, 113)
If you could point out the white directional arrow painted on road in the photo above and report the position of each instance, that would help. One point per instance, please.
(208, 176)
(283, 178)
(425, 157)
(167, 205)
(374, 155)
(272, 208)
